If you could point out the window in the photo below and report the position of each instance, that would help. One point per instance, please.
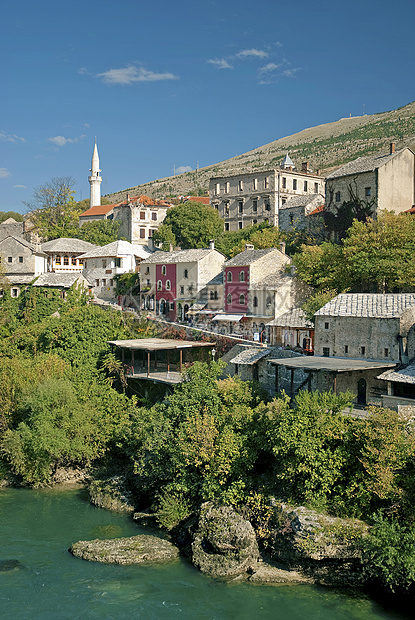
(154, 217)
(326, 352)
(20, 259)
(217, 189)
(362, 350)
(255, 184)
(96, 282)
(226, 226)
(118, 262)
(15, 292)
(82, 262)
(212, 294)
(268, 302)
(226, 208)
(241, 300)
(346, 348)
(241, 186)
(104, 282)
(182, 290)
(294, 184)
(229, 276)
(104, 264)
(159, 285)
(326, 325)
(10, 259)
(254, 221)
(240, 206)
(240, 225)
(337, 196)
(255, 302)
(66, 260)
(266, 183)
(284, 183)
(368, 191)
(186, 273)
(142, 233)
(255, 206)
(386, 352)
(111, 282)
(168, 285)
(242, 276)
(172, 305)
(227, 187)
(73, 260)
(283, 201)
(216, 295)
(267, 205)
(316, 188)
(305, 186)
(163, 270)
(229, 299)
(142, 215)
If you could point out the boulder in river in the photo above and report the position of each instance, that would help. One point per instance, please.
(142, 549)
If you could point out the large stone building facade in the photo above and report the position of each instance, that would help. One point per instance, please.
(381, 181)
(254, 197)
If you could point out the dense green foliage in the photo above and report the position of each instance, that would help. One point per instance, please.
(190, 225)
(100, 232)
(4, 215)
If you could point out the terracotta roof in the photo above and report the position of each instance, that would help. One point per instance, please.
(203, 199)
(99, 210)
(319, 209)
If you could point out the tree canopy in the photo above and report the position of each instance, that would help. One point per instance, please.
(191, 225)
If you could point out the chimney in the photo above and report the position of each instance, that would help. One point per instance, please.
(392, 148)
(212, 244)
(304, 166)
(282, 247)
(249, 246)
(128, 199)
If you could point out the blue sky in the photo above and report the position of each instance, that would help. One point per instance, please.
(167, 85)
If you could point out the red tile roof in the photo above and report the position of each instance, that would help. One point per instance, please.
(98, 210)
(203, 199)
(319, 209)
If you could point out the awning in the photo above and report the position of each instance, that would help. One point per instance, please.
(232, 318)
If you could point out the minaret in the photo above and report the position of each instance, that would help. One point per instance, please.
(95, 180)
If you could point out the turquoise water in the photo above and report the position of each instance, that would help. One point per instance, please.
(38, 526)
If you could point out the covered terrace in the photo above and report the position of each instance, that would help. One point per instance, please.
(158, 359)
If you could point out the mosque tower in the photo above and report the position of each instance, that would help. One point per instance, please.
(95, 180)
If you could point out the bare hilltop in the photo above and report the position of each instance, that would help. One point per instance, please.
(325, 147)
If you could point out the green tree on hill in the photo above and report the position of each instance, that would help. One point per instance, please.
(192, 224)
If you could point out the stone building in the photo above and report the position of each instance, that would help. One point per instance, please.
(23, 261)
(258, 286)
(63, 254)
(254, 197)
(102, 264)
(292, 329)
(294, 213)
(381, 181)
(173, 282)
(97, 213)
(62, 281)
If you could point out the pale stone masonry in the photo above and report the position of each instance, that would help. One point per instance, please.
(255, 197)
(383, 181)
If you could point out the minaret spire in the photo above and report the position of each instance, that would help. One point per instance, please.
(95, 180)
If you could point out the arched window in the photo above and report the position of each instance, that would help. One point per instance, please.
(159, 285)
(186, 273)
(168, 285)
(212, 294)
(229, 299)
(229, 276)
(268, 302)
(255, 302)
(242, 276)
(163, 270)
(241, 300)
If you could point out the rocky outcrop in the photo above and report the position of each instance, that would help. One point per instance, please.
(222, 543)
(112, 493)
(325, 548)
(141, 549)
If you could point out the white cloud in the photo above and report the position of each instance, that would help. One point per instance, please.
(252, 53)
(182, 169)
(133, 74)
(220, 63)
(62, 141)
(11, 137)
(18, 186)
(271, 72)
(4, 173)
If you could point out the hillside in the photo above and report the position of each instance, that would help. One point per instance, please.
(325, 147)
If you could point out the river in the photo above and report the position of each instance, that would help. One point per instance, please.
(40, 579)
